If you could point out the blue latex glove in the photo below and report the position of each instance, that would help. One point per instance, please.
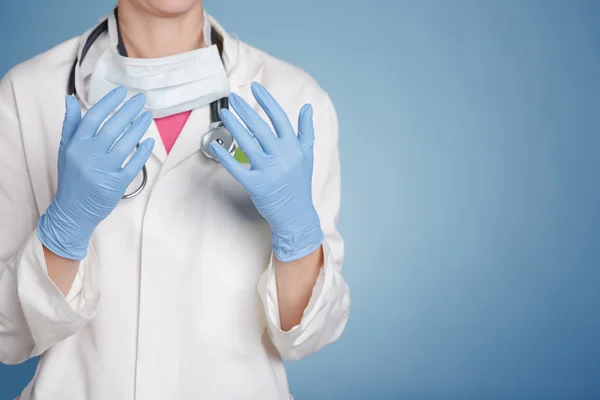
(91, 181)
(280, 179)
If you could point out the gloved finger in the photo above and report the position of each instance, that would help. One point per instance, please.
(114, 127)
(92, 120)
(138, 160)
(257, 126)
(125, 145)
(244, 139)
(72, 119)
(306, 130)
(237, 170)
(278, 117)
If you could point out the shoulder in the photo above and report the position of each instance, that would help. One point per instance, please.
(42, 73)
(285, 80)
(293, 87)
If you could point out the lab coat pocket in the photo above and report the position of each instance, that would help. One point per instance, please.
(245, 239)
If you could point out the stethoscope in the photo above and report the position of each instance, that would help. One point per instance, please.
(217, 131)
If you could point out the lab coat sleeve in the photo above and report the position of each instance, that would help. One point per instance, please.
(34, 314)
(326, 315)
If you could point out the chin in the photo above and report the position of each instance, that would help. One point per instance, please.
(169, 8)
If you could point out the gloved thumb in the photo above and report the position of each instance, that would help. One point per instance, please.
(306, 131)
(72, 119)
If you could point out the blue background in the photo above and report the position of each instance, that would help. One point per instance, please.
(470, 134)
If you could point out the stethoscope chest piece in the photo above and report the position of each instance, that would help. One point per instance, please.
(219, 134)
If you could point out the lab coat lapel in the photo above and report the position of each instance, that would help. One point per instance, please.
(188, 141)
(159, 148)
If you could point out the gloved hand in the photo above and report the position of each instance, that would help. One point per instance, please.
(91, 181)
(280, 179)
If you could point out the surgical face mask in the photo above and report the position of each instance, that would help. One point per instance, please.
(172, 84)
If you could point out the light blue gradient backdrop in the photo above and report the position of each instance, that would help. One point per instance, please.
(470, 135)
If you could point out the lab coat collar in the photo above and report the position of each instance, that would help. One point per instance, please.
(240, 65)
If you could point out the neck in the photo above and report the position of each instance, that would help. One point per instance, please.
(151, 35)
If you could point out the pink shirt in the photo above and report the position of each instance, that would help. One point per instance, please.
(170, 127)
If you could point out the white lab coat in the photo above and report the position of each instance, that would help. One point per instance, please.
(177, 296)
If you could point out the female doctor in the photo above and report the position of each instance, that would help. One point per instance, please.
(225, 262)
